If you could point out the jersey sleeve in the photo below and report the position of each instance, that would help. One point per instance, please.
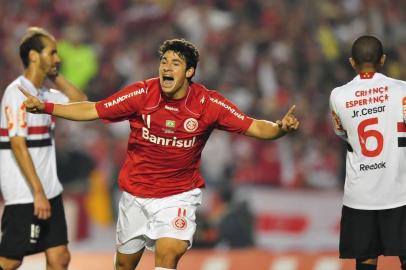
(337, 124)
(227, 116)
(14, 113)
(121, 105)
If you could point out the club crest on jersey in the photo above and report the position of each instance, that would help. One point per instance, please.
(190, 124)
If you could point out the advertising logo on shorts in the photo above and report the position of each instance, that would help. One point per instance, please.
(190, 124)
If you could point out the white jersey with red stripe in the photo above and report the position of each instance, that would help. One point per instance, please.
(369, 112)
(37, 129)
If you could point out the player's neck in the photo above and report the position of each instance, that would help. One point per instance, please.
(36, 77)
(367, 68)
(180, 93)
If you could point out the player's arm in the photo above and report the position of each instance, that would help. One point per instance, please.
(267, 130)
(72, 92)
(78, 111)
(336, 121)
(42, 208)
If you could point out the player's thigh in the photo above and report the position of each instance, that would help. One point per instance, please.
(16, 228)
(392, 224)
(169, 250)
(175, 217)
(124, 261)
(54, 231)
(7, 263)
(58, 257)
(359, 234)
(131, 225)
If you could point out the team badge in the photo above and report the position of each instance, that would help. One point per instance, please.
(180, 222)
(190, 124)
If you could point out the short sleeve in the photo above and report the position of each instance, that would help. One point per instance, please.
(228, 116)
(121, 105)
(14, 113)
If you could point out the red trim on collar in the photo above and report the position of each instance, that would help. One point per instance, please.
(366, 75)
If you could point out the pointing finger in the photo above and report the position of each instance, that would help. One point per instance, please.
(24, 91)
(291, 110)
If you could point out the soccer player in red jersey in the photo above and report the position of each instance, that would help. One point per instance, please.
(171, 119)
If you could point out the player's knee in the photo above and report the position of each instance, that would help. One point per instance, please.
(403, 262)
(121, 264)
(9, 264)
(366, 264)
(168, 256)
(60, 260)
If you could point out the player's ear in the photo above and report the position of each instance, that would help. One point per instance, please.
(352, 63)
(189, 72)
(382, 60)
(33, 56)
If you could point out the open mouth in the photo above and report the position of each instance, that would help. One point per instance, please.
(167, 80)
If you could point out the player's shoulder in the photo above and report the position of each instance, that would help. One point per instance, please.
(12, 91)
(342, 89)
(396, 82)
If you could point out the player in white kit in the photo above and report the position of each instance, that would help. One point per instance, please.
(369, 113)
(33, 219)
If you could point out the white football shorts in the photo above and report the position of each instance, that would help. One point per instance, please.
(141, 221)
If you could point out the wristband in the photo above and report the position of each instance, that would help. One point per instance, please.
(49, 107)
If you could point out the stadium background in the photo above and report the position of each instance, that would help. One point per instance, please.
(275, 205)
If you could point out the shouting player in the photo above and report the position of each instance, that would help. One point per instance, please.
(369, 113)
(33, 219)
(171, 119)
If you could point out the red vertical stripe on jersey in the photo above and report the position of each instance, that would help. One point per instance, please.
(179, 212)
(184, 212)
(401, 127)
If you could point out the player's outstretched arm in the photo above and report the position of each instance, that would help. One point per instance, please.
(267, 130)
(78, 111)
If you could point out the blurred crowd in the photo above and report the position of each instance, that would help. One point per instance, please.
(263, 55)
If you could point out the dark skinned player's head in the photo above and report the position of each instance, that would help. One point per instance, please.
(367, 51)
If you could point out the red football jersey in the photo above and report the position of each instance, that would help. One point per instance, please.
(167, 136)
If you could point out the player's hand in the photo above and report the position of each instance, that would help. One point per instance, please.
(289, 122)
(32, 104)
(42, 207)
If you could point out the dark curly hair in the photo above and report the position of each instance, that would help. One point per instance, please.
(185, 49)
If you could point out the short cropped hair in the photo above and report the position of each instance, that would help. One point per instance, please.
(32, 40)
(185, 49)
(367, 49)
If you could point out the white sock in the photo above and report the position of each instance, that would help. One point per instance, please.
(161, 268)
